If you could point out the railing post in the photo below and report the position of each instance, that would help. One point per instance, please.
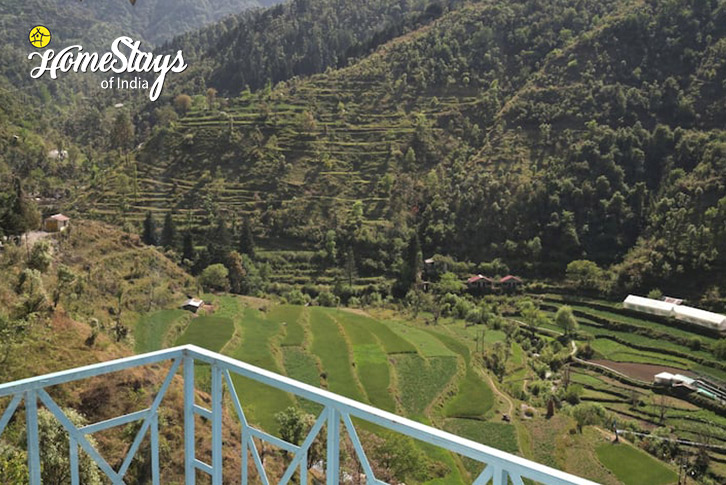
(189, 448)
(304, 469)
(332, 468)
(155, 449)
(31, 426)
(73, 450)
(245, 459)
(217, 395)
(500, 476)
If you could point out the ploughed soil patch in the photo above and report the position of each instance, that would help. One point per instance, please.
(643, 372)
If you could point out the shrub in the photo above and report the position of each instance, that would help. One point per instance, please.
(695, 343)
(297, 297)
(719, 349)
(326, 298)
(214, 277)
(41, 256)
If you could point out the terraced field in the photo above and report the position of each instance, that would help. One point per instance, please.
(428, 373)
(392, 365)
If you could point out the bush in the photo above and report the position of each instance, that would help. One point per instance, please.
(695, 343)
(214, 277)
(41, 256)
(326, 298)
(297, 297)
(719, 349)
(573, 393)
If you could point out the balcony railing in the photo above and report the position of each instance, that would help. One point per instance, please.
(338, 412)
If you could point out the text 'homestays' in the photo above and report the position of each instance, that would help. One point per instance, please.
(124, 57)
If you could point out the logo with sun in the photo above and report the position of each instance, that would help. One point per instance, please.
(39, 36)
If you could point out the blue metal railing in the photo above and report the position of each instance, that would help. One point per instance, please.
(501, 468)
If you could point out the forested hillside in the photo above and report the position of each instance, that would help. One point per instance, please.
(534, 133)
(297, 38)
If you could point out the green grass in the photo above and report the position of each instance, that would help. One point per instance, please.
(501, 436)
(208, 331)
(371, 361)
(332, 350)
(392, 342)
(634, 467)
(302, 366)
(426, 344)
(261, 402)
(617, 352)
(289, 316)
(152, 328)
(421, 381)
(473, 399)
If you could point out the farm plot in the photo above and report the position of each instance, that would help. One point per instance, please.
(371, 362)
(473, 399)
(421, 380)
(634, 467)
(612, 350)
(330, 347)
(261, 402)
(208, 331)
(289, 316)
(152, 328)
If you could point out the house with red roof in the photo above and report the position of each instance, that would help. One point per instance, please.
(56, 223)
(480, 282)
(511, 282)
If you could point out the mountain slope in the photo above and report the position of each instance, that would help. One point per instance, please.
(536, 133)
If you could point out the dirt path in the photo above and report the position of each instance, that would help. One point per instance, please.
(495, 389)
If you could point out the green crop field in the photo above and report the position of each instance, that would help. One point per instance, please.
(152, 328)
(620, 353)
(289, 316)
(261, 402)
(420, 381)
(634, 467)
(473, 400)
(332, 350)
(209, 332)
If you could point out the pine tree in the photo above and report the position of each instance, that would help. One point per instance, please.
(23, 214)
(350, 266)
(168, 232)
(410, 274)
(246, 240)
(149, 235)
(220, 242)
(188, 251)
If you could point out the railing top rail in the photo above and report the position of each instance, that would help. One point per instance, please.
(87, 371)
(388, 420)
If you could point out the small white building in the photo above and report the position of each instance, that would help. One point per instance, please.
(648, 305)
(663, 379)
(193, 304)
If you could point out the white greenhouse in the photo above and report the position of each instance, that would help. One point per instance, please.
(648, 305)
(704, 318)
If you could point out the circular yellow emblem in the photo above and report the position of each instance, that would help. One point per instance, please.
(39, 36)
